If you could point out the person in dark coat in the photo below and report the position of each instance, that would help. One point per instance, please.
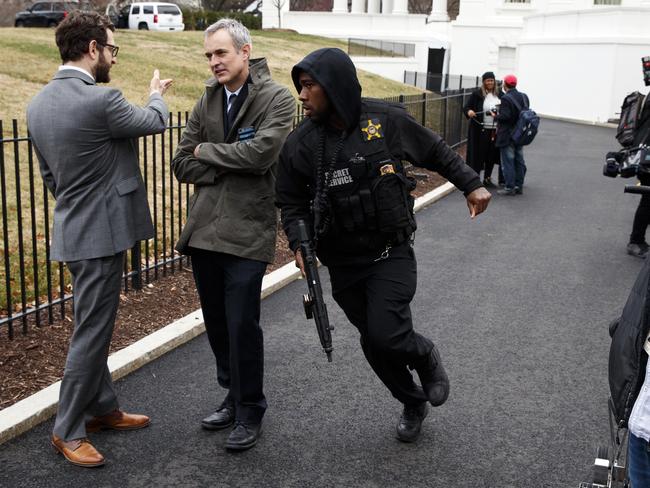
(629, 377)
(638, 246)
(341, 172)
(482, 154)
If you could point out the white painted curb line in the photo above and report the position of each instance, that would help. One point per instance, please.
(31, 411)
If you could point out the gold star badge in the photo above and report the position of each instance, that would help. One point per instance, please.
(372, 129)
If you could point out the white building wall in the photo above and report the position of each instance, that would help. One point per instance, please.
(395, 27)
(391, 68)
(475, 48)
(580, 65)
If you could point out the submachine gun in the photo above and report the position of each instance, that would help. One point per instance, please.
(313, 301)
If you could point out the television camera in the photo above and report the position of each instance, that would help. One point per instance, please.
(628, 162)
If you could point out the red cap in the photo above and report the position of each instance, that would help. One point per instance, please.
(510, 80)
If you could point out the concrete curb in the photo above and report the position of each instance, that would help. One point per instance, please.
(37, 408)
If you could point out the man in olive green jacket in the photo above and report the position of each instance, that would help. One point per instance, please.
(229, 151)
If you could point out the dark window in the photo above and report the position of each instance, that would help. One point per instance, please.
(136, 10)
(168, 9)
(59, 7)
(147, 9)
(41, 7)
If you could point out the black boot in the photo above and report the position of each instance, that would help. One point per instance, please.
(410, 423)
(433, 377)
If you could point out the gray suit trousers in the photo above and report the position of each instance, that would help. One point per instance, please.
(87, 388)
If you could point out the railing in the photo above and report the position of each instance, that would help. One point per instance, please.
(440, 83)
(35, 290)
(371, 47)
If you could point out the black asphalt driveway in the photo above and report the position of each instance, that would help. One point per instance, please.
(518, 302)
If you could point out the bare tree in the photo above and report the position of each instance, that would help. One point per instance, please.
(453, 8)
(311, 5)
(420, 6)
(279, 4)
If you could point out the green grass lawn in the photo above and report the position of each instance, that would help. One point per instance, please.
(30, 59)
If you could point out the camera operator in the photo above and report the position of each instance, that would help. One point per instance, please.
(629, 378)
(638, 246)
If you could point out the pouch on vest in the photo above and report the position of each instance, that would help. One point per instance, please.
(392, 196)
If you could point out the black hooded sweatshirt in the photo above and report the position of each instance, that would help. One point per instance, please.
(405, 139)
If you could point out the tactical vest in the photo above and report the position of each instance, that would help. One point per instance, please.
(370, 191)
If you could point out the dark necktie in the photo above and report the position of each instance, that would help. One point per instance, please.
(232, 113)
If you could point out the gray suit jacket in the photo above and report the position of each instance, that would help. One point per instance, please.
(83, 136)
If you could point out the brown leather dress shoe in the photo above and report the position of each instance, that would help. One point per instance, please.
(79, 452)
(117, 420)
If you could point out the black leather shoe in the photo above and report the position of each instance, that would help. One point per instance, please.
(243, 436)
(433, 377)
(224, 417)
(410, 423)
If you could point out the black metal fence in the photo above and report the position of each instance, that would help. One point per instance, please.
(34, 290)
(385, 49)
(440, 83)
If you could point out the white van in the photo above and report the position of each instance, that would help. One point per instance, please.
(155, 16)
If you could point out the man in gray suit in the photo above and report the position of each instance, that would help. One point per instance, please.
(83, 137)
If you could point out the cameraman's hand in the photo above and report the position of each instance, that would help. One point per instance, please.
(471, 114)
(477, 201)
(299, 262)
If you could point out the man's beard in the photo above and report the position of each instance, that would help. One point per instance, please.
(102, 71)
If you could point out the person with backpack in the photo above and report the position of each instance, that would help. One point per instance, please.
(638, 246)
(508, 139)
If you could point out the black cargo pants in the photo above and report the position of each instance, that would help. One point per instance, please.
(376, 298)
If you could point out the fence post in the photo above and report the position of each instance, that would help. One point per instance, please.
(460, 122)
(136, 267)
(424, 109)
(460, 83)
(401, 98)
(415, 80)
(446, 85)
(444, 118)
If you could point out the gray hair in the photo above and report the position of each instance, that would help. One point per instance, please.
(238, 31)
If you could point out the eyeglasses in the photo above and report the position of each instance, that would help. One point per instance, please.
(114, 49)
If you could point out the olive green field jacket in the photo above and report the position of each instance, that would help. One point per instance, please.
(232, 209)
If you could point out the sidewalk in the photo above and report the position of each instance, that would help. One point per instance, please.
(518, 302)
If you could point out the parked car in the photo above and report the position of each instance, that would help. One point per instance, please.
(148, 16)
(45, 14)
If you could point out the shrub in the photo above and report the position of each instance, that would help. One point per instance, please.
(200, 19)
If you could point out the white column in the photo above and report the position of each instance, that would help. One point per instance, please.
(374, 6)
(386, 6)
(439, 10)
(401, 7)
(358, 6)
(340, 6)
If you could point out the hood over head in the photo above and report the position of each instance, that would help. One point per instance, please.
(333, 69)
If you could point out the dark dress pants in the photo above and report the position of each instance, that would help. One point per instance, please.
(87, 387)
(642, 215)
(229, 290)
(376, 299)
